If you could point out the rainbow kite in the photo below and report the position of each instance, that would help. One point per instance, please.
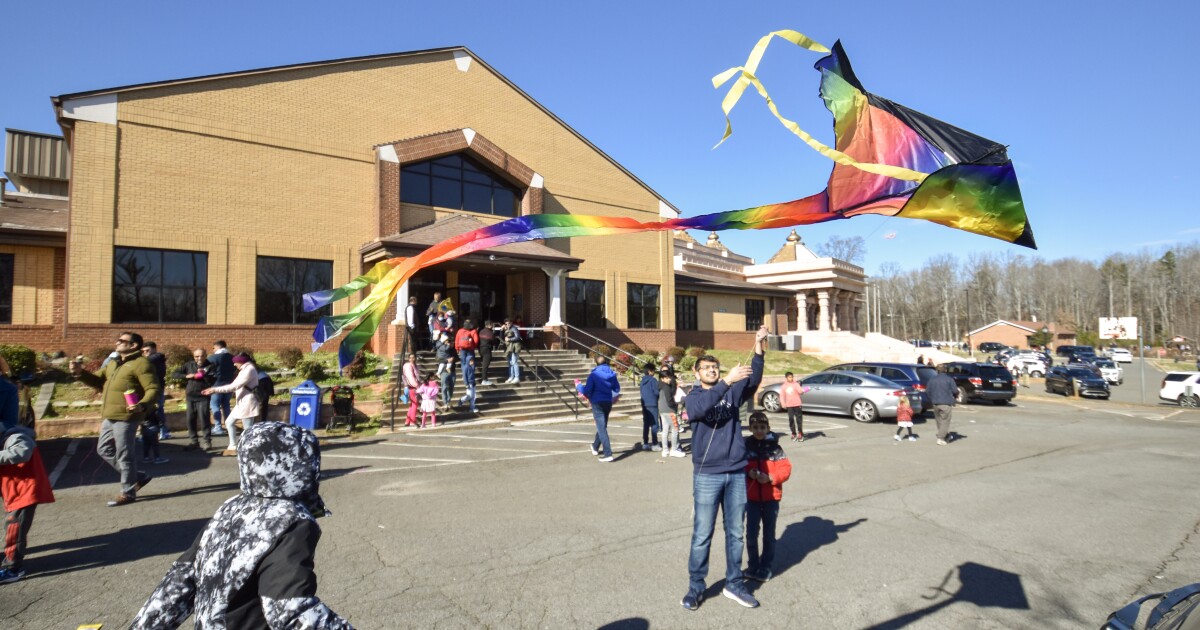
(888, 160)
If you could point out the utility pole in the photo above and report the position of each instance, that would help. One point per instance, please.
(970, 346)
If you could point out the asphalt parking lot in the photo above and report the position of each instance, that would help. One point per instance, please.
(1049, 513)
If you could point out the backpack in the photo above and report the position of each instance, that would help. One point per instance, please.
(266, 387)
(1176, 611)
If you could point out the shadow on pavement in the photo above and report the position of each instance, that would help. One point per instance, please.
(113, 548)
(86, 468)
(984, 586)
(801, 539)
(630, 623)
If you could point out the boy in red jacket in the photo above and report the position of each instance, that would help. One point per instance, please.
(23, 485)
(766, 470)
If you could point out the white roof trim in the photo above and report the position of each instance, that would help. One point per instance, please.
(101, 109)
(469, 134)
(462, 60)
(387, 153)
(665, 210)
(1001, 321)
(537, 181)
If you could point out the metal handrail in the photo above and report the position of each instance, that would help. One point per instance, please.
(399, 375)
(633, 358)
(573, 405)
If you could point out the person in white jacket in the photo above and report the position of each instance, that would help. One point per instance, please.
(245, 407)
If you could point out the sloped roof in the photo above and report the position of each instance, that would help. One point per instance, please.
(423, 237)
(692, 282)
(1028, 326)
(33, 213)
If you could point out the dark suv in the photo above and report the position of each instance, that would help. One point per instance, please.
(911, 376)
(981, 381)
(991, 346)
(1067, 351)
(1072, 379)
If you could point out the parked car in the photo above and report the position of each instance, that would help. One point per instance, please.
(1033, 362)
(911, 376)
(981, 381)
(1067, 351)
(921, 343)
(1068, 379)
(1175, 387)
(1110, 371)
(991, 346)
(865, 397)
(1121, 355)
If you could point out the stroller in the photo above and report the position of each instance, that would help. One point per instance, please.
(342, 399)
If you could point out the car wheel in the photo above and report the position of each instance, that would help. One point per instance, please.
(1036, 374)
(1049, 389)
(1069, 392)
(864, 411)
(1189, 401)
(961, 396)
(770, 402)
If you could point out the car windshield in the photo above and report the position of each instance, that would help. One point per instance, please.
(1104, 363)
(1081, 373)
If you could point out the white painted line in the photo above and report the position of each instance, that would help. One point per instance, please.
(502, 439)
(62, 462)
(584, 432)
(463, 448)
(409, 459)
(1172, 414)
(481, 461)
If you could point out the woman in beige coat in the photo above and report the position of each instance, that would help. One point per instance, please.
(245, 406)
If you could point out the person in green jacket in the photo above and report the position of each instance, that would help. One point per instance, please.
(130, 393)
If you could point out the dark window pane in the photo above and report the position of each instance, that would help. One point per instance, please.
(179, 269)
(414, 188)
(178, 305)
(643, 305)
(585, 303)
(151, 285)
(685, 312)
(453, 160)
(754, 314)
(449, 172)
(475, 176)
(447, 193)
(417, 167)
(137, 266)
(504, 202)
(136, 304)
(282, 283)
(6, 288)
(477, 198)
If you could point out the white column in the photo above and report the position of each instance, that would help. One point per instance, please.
(554, 318)
(801, 312)
(401, 305)
(823, 314)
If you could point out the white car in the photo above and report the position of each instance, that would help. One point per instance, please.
(1032, 362)
(1110, 371)
(1121, 355)
(1175, 386)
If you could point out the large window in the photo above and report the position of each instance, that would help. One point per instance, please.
(456, 181)
(754, 314)
(685, 312)
(282, 283)
(585, 303)
(643, 305)
(6, 288)
(159, 285)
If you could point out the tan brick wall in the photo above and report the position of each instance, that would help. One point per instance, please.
(273, 165)
(34, 273)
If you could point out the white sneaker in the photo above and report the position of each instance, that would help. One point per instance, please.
(594, 450)
(606, 459)
(897, 436)
(941, 442)
(655, 447)
(678, 453)
(665, 452)
(912, 438)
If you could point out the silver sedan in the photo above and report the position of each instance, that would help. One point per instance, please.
(865, 397)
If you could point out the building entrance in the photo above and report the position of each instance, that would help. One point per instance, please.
(475, 296)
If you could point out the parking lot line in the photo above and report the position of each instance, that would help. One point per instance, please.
(391, 457)
(482, 437)
(580, 432)
(464, 448)
(458, 463)
(62, 462)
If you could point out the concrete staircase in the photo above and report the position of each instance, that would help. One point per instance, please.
(529, 399)
(843, 347)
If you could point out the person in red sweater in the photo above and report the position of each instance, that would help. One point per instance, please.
(904, 414)
(23, 485)
(767, 467)
(789, 394)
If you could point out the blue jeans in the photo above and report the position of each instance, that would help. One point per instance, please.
(765, 513)
(219, 405)
(650, 424)
(600, 411)
(727, 490)
(514, 368)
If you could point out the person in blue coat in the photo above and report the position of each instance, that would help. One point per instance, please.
(650, 421)
(603, 388)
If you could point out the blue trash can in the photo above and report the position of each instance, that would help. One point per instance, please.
(306, 405)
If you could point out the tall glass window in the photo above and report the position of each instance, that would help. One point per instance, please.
(159, 285)
(686, 314)
(643, 305)
(458, 182)
(754, 314)
(6, 288)
(282, 283)
(585, 303)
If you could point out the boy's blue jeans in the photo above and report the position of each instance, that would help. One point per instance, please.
(600, 411)
(650, 424)
(727, 490)
(765, 513)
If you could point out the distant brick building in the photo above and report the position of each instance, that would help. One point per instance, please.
(1016, 334)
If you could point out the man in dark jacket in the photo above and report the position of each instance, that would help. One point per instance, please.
(252, 564)
(602, 389)
(487, 341)
(222, 363)
(648, 387)
(130, 393)
(943, 393)
(719, 464)
(199, 376)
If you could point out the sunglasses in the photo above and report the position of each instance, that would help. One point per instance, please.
(124, 341)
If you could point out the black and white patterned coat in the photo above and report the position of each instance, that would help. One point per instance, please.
(252, 565)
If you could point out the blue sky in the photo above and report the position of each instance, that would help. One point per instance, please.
(1095, 106)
